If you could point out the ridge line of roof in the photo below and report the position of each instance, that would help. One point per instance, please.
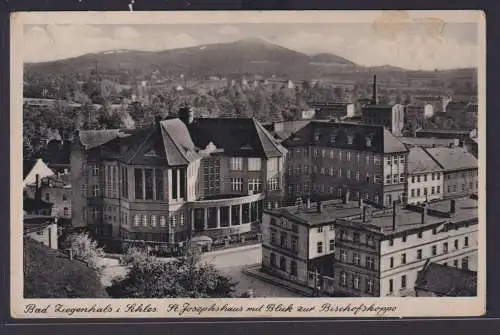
(270, 138)
(164, 130)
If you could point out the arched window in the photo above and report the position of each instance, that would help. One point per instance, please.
(136, 220)
(153, 220)
(181, 219)
(145, 220)
(163, 221)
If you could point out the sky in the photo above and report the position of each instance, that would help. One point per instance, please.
(410, 44)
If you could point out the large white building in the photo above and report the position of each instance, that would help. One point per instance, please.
(425, 177)
(381, 254)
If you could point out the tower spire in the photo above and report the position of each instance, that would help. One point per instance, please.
(374, 96)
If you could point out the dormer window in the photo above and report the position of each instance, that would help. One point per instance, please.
(316, 135)
(368, 142)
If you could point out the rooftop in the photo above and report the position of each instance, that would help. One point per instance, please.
(410, 217)
(445, 131)
(428, 142)
(331, 210)
(447, 281)
(419, 161)
(452, 158)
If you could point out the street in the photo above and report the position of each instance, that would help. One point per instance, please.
(231, 262)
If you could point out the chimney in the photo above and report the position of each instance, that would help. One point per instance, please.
(452, 206)
(424, 213)
(374, 96)
(319, 207)
(394, 213)
(346, 197)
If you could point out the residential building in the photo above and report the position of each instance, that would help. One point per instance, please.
(179, 178)
(418, 112)
(438, 280)
(390, 116)
(332, 110)
(32, 168)
(54, 190)
(324, 158)
(381, 253)
(425, 177)
(460, 170)
(299, 241)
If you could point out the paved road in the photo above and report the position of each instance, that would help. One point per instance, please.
(230, 261)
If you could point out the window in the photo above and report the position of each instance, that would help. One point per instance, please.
(181, 219)
(273, 237)
(425, 177)
(389, 160)
(369, 286)
(355, 282)
(95, 171)
(403, 238)
(434, 250)
(419, 235)
(355, 237)
(332, 227)
(395, 179)
(163, 221)
(455, 263)
(236, 184)
(455, 244)
(148, 173)
(293, 268)
(370, 240)
(283, 263)
(391, 285)
(294, 243)
(401, 178)
(413, 179)
(370, 262)
(273, 164)
(320, 229)
(283, 240)
(66, 211)
(153, 220)
(433, 176)
(438, 189)
(438, 177)
(332, 245)
(434, 231)
(160, 193)
(419, 254)
(319, 247)
(273, 259)
(343, 279)
(466, 241)
(388, 179)
(403, 282)
(254, 184)
(272, 184)
(356, 259)
(391, 262)
(343, 256)
(433, 190)
(138, 184)
(254, 164)
(236, 163)
(445, 247)
(403, 259)
(348, 156)
(465, 263)
(391, 242)
(323, 153)
(418, 192)
(145, 220)
(95, 190)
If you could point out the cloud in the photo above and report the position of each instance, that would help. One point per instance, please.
(228, 30)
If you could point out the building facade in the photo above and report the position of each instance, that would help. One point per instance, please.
(325, 158)
(382, 254)
(425, 177)
(179, 178)
(460, 170)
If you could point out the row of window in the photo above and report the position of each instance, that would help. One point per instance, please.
(434, 190)
(368, 261)
(254, 164)
(344, 155)
(434, 251)
(300, 189)
(396, 179)
(419, 235)
(146, 220)
(64, 197)
(463, 175)
(356, 237)
(348, 139)
(355, 282)
(454, 188)
(434, 176)
(283, 264)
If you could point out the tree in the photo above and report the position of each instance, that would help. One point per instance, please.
(183, 277)
(84, 248)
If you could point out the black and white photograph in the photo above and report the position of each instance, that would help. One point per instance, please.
(248, 164)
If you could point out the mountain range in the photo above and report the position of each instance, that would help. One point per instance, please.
(247, 56)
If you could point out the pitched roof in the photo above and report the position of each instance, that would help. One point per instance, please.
(419, 161)
(447, 281)
(28, 165)
(243, 137)
(452, 158)
(374, 138)
(179, 147)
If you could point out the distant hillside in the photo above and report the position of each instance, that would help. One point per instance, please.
(248, 56)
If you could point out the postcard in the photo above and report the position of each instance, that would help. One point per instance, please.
(248, 164)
